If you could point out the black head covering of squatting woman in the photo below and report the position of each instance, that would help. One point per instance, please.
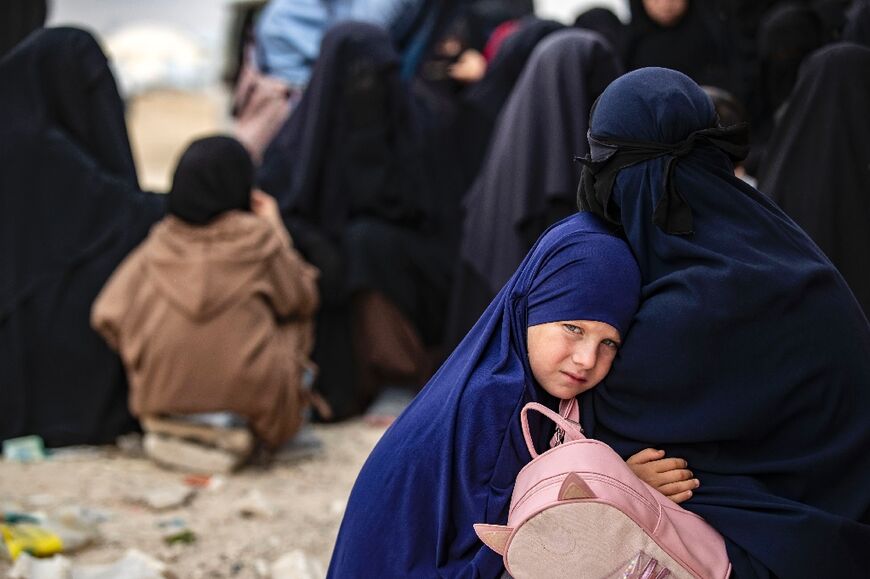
(214, 175)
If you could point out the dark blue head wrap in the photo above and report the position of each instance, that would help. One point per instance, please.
(749, 356)
(451, 458)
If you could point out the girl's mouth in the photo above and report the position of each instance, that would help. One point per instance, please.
(575, 377)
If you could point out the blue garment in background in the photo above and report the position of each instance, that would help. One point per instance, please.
(289, 32)
(749, 356)
(451, 458)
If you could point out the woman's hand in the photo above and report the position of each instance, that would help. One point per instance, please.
(669, 476)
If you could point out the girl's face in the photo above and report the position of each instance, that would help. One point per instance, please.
(568, 358)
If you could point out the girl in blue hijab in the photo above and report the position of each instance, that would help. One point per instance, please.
(451, 458)
(749, 356)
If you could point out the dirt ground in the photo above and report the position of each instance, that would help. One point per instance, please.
(306, 497)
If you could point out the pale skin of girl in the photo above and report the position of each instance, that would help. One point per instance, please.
(570, 357)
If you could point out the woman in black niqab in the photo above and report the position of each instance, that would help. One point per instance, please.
(71, 211)
(818, 163)
(18, 18)
(358, 191)
(748, 356)
(607, 24)
(688, 45)
(788, 34)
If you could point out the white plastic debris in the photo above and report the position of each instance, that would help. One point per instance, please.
(166, 497)
(255, 504)
(133, 565)
(297, 565)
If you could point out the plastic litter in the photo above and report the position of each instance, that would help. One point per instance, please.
(24, 449)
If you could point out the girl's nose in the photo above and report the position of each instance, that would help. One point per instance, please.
(584, 355)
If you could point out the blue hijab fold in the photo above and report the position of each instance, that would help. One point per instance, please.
(451, 458)
(749, 356)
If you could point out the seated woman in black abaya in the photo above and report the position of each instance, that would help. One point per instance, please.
(71, 211)
(361, 198)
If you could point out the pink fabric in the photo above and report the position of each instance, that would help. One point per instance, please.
(681, 534)
(497, 38)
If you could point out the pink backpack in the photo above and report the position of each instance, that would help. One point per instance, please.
(578, 510)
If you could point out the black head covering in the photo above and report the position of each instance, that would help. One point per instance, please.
(70, 211)
(818, 164)
(18, 18)
(689, 46)
(214, 175)
(349, 145)
(71, 86)
(530, 166)
(749, 356)
(858, 24)
(605, 23)
(788, 33)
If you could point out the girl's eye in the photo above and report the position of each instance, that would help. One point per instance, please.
(610, 343)
(573, 329)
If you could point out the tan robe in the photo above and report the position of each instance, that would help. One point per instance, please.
(214, 318)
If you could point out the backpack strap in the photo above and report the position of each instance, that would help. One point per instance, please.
(570, 409)
(571, 430)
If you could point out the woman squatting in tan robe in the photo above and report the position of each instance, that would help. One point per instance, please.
(213, 312)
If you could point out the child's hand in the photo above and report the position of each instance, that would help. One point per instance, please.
(265, 206)
(669, 476)
(470, 68)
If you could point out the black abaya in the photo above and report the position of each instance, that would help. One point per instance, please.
(358, 190)
(818, 163)
(71, 210)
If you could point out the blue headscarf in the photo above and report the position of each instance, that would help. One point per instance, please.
(749, 356)
(451, 458)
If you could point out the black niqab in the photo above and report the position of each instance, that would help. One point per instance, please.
(605, 23)
(18, 18)
(689, 46)
(214, 175)
(357, 182)
(818, 164)
(348, 145)
(787, 34)
(72, 87)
